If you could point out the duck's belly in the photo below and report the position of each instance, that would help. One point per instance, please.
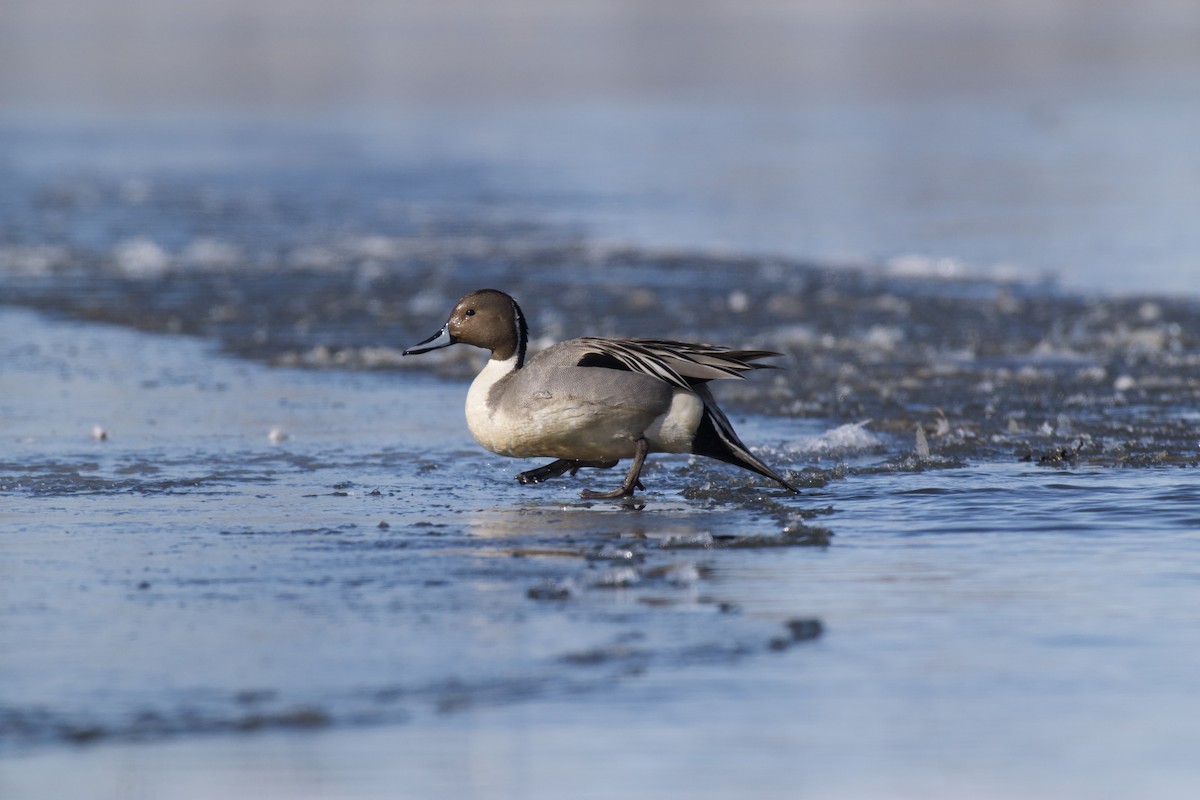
(587, 431)
(580, 432)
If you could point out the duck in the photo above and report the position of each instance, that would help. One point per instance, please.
(592, 402)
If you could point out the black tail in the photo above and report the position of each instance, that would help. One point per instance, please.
(716, 438)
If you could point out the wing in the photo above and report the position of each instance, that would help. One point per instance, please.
(682, 364)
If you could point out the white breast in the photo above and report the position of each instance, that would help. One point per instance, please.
(482, 420)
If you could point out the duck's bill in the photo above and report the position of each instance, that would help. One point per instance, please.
(440, 339)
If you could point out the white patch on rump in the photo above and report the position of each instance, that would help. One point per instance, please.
(674, 431)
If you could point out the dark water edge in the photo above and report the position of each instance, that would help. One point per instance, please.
(988, 369)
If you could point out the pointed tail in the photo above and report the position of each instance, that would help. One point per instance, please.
(716, 438)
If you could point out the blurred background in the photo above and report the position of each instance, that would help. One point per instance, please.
(318, 56)
(1047, 137)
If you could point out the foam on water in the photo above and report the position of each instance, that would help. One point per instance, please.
(844, 440)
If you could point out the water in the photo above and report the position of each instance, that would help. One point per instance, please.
(246, 549)
(373, 602)
(366, 600)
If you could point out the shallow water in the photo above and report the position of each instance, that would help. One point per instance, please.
(373, 602)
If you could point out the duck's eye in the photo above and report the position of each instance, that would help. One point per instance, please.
(470, 312)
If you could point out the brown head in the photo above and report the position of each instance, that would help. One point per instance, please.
(489, 319)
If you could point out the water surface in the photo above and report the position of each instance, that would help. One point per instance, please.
(373, 602)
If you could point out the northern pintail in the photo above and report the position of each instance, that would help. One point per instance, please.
(590, 402)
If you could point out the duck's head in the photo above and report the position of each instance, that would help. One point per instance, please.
(489, 319)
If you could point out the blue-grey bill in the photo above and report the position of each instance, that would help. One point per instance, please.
(440, 339)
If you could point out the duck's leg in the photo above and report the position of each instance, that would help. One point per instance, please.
(561, 467)
(632, 479)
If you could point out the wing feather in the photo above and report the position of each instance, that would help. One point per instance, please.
(682, 364)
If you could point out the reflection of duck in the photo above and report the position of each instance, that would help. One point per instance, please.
(590, 402)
